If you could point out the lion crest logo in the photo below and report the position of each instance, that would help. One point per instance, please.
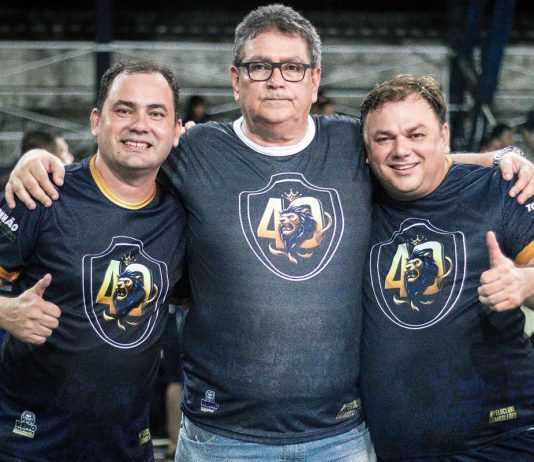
(296, 225)
(292, 226)
(418, 274)
(124, 288)
(134, 290)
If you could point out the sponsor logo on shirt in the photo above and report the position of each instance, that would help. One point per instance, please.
(530, 207)
(501, 415)
(208, 404)
(292, 226)
(26, 425)
(417, 275)
(349, 409)
(8, 225)
(144, 436)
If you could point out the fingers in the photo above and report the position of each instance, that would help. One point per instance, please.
(188, 126)
(524, 186)
(57, 169)
(10, 197)
(496, 257)
(506, 165)
(19, 190)
(30, 177)
(41, 285)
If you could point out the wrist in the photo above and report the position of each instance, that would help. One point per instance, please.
(499, 154)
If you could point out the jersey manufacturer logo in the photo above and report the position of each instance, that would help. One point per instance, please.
(292, 226)
(417, 275)
(123, 291)
(26, 425)
(208, 404)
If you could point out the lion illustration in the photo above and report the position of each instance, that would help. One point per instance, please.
(295, 226)
(130, 293)
(421, 273)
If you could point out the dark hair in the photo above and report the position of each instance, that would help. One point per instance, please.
(402, 86)
(281, 18)
(498, 130)
(137, 67)
(38, 139)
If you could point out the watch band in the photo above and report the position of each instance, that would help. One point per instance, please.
(499, 154)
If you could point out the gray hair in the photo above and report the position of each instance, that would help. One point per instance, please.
(280, 18)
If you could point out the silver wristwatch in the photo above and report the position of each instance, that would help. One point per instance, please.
(501, 152)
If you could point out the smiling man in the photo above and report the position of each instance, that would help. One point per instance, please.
(447, 373)
(93, 274)
(279, 215)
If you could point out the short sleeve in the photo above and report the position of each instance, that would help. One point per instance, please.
(19, 230)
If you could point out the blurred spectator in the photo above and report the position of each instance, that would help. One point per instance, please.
(39, 139)
(501, 135)
(63, 149)
(526, 130)
(196, 110)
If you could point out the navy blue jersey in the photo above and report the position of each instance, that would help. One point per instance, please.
(84, 394)
(277, 240)
(441, 372)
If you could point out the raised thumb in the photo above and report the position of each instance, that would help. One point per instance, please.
(494, 251)
(41, 285)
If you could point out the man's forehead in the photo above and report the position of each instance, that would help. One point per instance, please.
(275, 43)
(141, 85)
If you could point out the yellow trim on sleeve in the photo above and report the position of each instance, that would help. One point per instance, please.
(103, 188)
(526, 255)
(7, 276)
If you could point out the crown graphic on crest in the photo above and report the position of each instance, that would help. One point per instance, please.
(291, 196)
(418, 239)
(127, 259)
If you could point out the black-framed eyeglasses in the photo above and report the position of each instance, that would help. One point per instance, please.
(261, 71)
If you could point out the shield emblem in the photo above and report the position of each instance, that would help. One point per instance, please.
(292, 226)
(417, 275)
(123, 291)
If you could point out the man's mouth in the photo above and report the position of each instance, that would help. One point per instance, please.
(137, 144)
(403, 166)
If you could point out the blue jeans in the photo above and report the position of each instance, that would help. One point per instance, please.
(198, 445)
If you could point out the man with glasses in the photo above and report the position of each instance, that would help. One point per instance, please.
(278, 209)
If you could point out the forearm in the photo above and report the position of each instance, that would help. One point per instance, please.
(484, 159)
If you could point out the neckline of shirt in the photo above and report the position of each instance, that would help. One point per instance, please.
(112, 197)
(276, 151)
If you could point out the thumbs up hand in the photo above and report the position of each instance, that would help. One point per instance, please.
(504, 286)
(28, 317)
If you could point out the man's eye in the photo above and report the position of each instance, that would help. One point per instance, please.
(292, 67)
(157, 115)
(417, 135)
(258, 67)
(123, 111)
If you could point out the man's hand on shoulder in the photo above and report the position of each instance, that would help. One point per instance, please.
(513, 163)
(30, 179)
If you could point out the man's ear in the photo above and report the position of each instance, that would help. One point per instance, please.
(316, 80)
(446, 138)
(234, 76)
(177, 132)
(94, 118)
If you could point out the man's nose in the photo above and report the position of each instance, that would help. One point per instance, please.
(140, 122)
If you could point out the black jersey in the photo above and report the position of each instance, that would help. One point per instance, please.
(277, 239)
(441, 372)
(84, 394)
